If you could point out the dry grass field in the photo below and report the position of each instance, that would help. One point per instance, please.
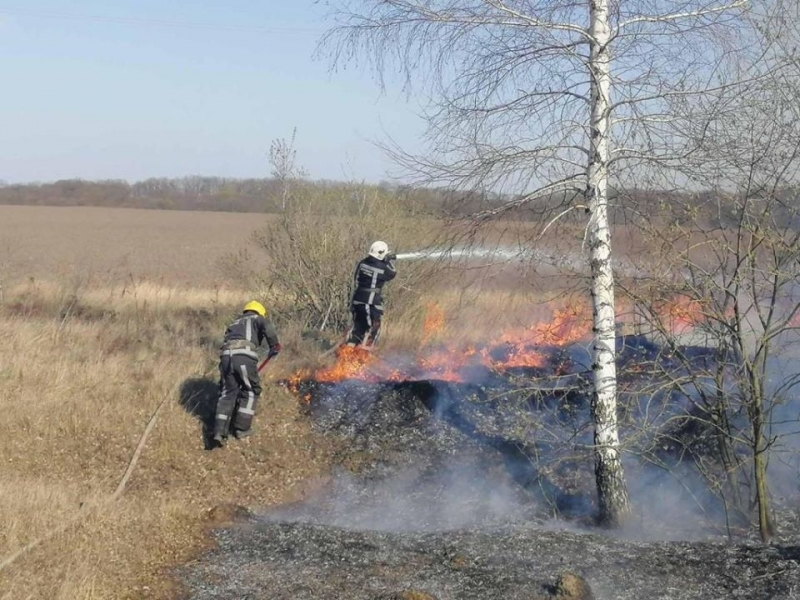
(173, 248)
(109, 315)
(78, 383)
(105, 314)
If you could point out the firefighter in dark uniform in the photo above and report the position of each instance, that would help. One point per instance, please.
(238, 369)
(366, 303)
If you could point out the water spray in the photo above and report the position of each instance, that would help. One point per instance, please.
(474, 252)
(410, 255)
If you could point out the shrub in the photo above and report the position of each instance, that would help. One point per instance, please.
(312, 248)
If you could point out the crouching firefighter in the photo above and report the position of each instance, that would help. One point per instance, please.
(239, 383)
(366, 303)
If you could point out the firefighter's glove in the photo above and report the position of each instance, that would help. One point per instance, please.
(391, 257)
(274, 350)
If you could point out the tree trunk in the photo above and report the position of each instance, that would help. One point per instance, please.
(726, 438)
(765, 525)
(612, 493)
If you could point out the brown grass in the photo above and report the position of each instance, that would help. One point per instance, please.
(114, 244)
(103, 312)
(76, 392)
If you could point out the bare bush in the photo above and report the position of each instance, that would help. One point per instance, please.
(313, 248)
(731, 272)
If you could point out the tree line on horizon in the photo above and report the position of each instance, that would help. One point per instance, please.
(264, 195)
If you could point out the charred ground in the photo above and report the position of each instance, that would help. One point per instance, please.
(483, 489)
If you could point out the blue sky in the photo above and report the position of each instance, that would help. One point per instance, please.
(146, 88)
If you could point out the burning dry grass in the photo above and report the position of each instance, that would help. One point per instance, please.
(86, 361)
(438, 353)
(84, 367)
(472, 316)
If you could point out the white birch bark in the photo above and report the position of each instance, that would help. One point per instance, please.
(613, 500)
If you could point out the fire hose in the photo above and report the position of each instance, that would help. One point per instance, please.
(88, 506)
(265, 362)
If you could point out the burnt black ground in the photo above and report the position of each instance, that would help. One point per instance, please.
(444, 489)
(301, 561)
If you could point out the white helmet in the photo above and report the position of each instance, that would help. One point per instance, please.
(379, 250)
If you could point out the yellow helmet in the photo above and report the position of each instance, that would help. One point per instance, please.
(255, 306)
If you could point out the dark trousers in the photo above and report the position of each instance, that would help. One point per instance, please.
(239, 389)
(366, 325)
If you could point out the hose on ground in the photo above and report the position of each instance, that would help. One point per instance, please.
(88, 507)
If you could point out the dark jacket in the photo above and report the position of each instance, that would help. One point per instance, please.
(371, 273)
(247, 333)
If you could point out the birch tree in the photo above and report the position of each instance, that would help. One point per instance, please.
(536, 98)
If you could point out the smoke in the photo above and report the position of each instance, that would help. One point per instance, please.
(783, 395)
(457, 496)
(499, 449)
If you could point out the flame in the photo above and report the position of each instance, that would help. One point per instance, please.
(451, 361)
(351, 362)
(681, 314)
(568, 325)
(442, 363)
(293, 383)
(433, 322)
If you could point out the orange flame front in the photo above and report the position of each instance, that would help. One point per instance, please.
(351, 363)
(568, 325)
(433, 322)
(681, 314)
(293, 382)
(449, 361)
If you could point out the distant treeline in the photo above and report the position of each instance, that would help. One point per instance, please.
(267, 196)
(226, 195)
(185, 193)
(198, 193)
